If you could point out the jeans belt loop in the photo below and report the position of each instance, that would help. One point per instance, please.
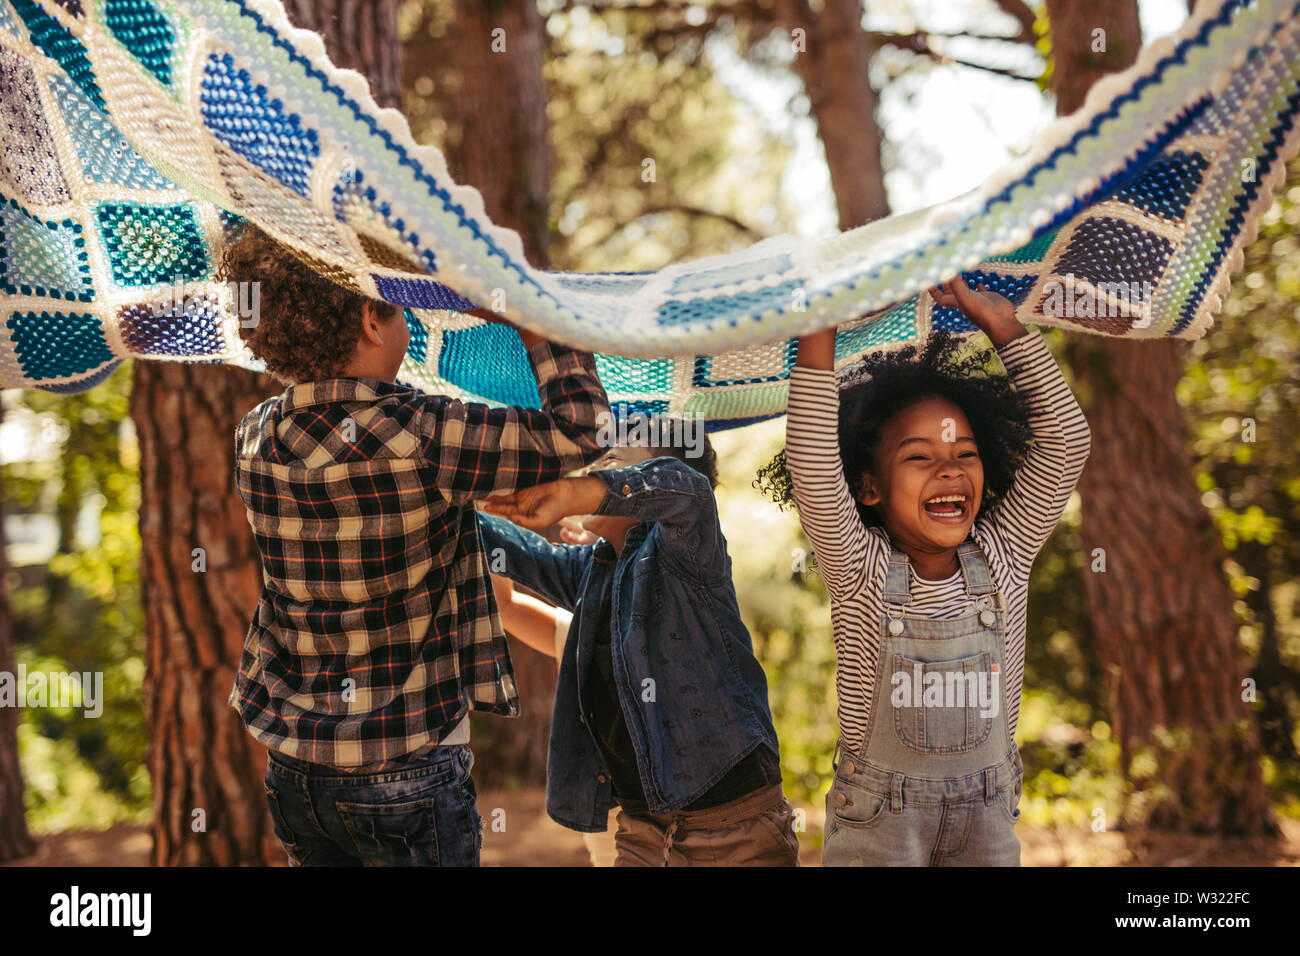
(668, 839)
(990, 787)
(895, 793)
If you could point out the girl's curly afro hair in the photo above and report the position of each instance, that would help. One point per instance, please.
(887, 383)
(307, 327)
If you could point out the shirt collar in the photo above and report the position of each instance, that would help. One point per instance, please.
(330, 390)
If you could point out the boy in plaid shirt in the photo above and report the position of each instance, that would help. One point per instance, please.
(377, 631)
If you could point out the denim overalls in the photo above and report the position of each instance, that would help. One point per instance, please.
(937, 781)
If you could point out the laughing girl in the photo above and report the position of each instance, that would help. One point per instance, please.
(926, 507)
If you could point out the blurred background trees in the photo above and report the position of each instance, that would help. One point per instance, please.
(757, 117)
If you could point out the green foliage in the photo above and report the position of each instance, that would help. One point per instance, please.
(786, 610)
(1071, 764)
(80, 611)
(624, 91)
(715, 181)
(1241, 391)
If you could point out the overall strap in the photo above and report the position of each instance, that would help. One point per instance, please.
(898, 589)
(975, 569)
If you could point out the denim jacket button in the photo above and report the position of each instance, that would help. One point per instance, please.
(600, 778)
(627, 489)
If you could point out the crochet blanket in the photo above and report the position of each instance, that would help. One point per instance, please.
(136, 131)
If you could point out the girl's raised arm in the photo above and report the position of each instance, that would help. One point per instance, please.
(827, 510)
(1041, 489)
(1027, 515)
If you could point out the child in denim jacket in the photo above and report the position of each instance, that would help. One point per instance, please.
(660, 704)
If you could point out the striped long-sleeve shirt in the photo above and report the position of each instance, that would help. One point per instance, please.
(377, 630)
(853, 558)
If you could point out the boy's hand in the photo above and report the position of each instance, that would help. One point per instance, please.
(992, 314)
(572, 532)
(541, 506)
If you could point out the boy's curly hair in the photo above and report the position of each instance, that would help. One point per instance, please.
(705, 462)
(894, 381)
(307, 326)
(669, 439)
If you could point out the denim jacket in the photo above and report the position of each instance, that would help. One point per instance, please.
(692, 692)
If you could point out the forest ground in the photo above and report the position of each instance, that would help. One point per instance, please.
(532, 839)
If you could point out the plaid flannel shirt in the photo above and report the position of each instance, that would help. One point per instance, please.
(377, 630)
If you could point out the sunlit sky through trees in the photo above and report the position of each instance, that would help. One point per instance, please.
(949, 127)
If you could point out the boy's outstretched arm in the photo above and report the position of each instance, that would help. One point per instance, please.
(663, 490)
(477, 449)
(532, 621)
(553, 571)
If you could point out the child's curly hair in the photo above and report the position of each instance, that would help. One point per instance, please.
(705, 461)
(307, 326)
(895, 381)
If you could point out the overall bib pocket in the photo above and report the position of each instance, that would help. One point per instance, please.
(938, 704)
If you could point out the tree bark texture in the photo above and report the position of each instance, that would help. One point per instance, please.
(497, 48)
(207, 770)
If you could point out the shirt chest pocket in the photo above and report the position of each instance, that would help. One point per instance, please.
(944, 707)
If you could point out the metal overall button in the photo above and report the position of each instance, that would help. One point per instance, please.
(986, 613)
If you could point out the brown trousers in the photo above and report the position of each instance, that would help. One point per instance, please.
(755, 830)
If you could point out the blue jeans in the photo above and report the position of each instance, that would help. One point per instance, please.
(421, 815)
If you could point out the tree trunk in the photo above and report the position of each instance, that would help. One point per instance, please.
(201, 757)
(1161, 612)
(832, 62)
(499, 145)
(207, 769)
(359, 35)
(15, 841)
(1270, 672)
(502, 148)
